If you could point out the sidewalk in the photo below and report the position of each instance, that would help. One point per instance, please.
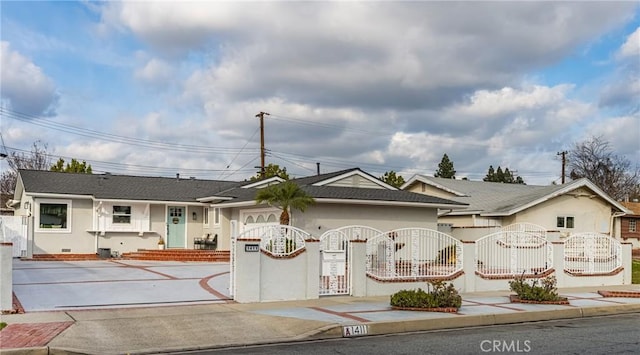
(203, 326)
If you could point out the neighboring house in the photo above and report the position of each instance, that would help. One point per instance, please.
(630, 224)
(81, 213)
(4, 208)
(574, 207)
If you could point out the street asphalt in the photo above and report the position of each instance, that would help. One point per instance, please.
(136, 307)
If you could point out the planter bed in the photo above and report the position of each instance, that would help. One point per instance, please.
(516, 299)
(434, 309)
(626, 294)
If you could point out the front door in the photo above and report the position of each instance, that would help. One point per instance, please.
(176, 227)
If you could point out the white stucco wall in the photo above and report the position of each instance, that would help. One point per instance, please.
(76, 238)
(322, 217)
(590, 214)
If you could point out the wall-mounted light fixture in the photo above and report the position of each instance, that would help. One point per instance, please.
(194, 216)
(27, 205)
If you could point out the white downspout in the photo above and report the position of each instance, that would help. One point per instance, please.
(611, 225)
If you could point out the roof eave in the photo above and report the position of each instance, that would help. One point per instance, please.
(389, 203)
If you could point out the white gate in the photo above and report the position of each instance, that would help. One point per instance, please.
(335, 275)
(13, 229)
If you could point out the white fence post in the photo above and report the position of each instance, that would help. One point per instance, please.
(247, 271)
(469, 265)
(313, 268)
(358, 267)
(626, 262)
(558, 263)
(6, 276)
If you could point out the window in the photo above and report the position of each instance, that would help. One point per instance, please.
(122, 214)
(565, 222)
(216, 216)
(632, 225)
(206, 216)
(54, 215)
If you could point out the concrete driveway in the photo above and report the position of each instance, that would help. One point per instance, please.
(58, 285)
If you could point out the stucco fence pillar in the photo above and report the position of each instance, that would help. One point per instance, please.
(358, 268)
(260, 277)
(6, 277)
(469, 266)
(558, 264)
(627, 260)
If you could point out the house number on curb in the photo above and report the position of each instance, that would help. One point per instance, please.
(349, 331)
(252, 248)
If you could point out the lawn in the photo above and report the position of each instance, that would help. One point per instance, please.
(635, 272)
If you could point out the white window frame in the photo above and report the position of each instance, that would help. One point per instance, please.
(56, 202)
(633, 225)
(565, 220)
(205, 216)
(216, 216)
(120, 214)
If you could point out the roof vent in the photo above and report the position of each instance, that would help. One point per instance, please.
(177, 176)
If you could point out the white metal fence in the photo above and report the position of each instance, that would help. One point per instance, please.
(413, 253)
(280, 240)
(13, 229)
(510, 253)
(592, 254)
(530, 228)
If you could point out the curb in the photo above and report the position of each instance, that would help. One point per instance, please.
(382, 328)
(334, 331)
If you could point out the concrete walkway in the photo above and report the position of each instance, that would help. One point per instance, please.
(220, 323)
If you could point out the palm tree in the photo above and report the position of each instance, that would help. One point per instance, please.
(285, 195)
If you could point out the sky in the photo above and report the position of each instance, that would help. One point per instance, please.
(157, 88)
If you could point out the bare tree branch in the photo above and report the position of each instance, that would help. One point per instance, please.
(595, 160)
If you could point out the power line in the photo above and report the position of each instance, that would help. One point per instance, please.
(42, 122)
(111, 166)
(245, 145)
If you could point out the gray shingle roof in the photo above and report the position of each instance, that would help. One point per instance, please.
(493, 197)
(240, 194)
(125, 187)
(107, 186)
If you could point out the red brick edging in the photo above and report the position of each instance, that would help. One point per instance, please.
(428, 309)
(516, 299)
(625, 294)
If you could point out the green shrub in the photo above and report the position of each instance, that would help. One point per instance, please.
(546, 291)
(2, 325)
(440, 295)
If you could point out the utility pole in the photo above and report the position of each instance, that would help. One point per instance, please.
(564, 162)
(261, 115)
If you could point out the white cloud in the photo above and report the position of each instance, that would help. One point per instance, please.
(27, 89)
(631, 47)
(155, 72)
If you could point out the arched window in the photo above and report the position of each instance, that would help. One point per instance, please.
(272, 218)
(260, 219)
(249, 220)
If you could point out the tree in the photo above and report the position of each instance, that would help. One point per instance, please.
(37, 159)
(285, 195)
(505, 176)
(445, 168)
(391, 178)
(272, 170)
(594, 159)
(73, 167)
